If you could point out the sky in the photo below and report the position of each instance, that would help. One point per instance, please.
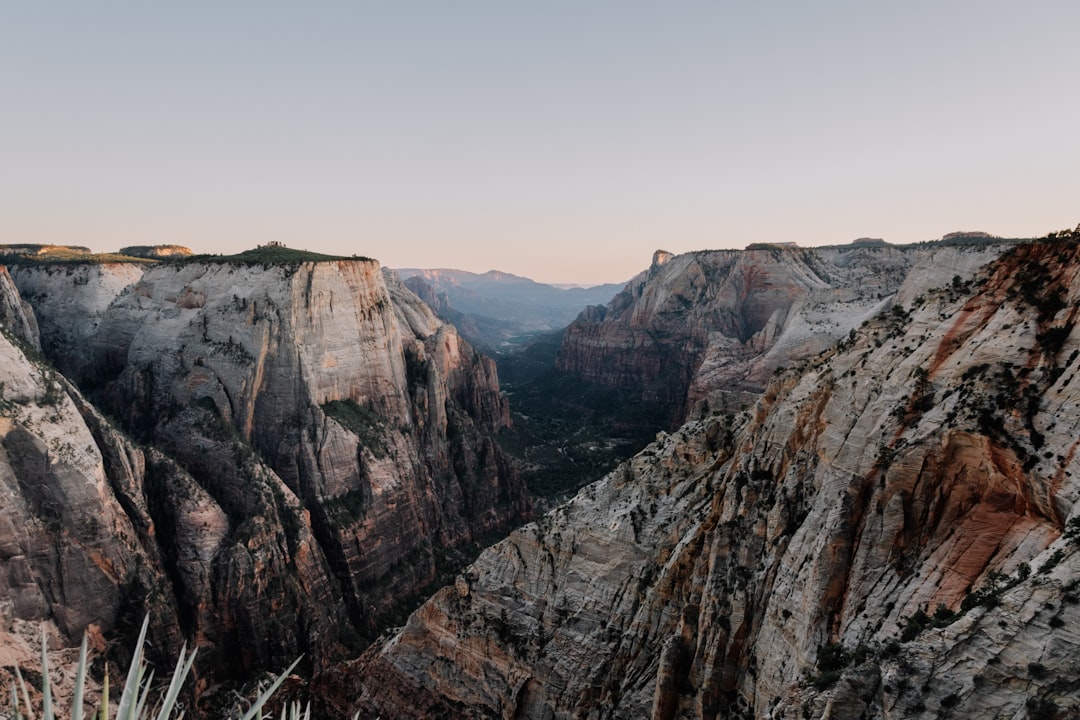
(563, 141)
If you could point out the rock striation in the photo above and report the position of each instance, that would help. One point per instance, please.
(893, 530)
(316, 440)
(77, 539)
(16, 315)
(708, 329)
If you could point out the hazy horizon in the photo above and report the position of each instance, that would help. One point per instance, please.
(563, 142)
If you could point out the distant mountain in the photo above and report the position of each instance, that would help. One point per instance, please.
(497, 310)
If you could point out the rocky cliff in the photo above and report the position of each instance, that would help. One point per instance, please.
(891, 531)
(16, 315)
(77, 540)
(316, 439)
(711, 327)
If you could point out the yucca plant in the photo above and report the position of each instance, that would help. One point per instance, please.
(135, 701)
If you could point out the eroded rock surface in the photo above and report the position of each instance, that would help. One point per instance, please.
(711, 327)
(77, 545)
(890, 531)
(316, 439)
(16, 315)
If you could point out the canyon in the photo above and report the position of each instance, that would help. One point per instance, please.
(889, 531)
(864, 504)
(707, 329)
(271, 458)
(496, 311)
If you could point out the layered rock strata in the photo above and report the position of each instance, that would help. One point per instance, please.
(711, 327)
(16, 315)
(891, 531)
(77, 541)
(318, 438)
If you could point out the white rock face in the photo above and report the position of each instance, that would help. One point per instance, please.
(929, 461)
(51, 290)
(335, 435)
(707, 329)
(72, 536)
(16, 315)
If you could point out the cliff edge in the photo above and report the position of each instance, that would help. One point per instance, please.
(891, 530)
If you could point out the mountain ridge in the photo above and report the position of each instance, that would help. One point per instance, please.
(891, 530)
(496, 310)
(312, 445)
(706, 329)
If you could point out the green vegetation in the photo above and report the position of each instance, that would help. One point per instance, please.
(914, 625)
(1041, 709)
(349, 507)
(971, 240)
(1072, 531)
(360, 421)
(266, 255)
(568, 432)
(832, 658)
(58, 254)
(989, 595)
(136, 702)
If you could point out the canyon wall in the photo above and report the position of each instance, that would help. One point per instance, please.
(16, 315)
(312, 441)
(708, 329)
(890, 531)
(78, 546)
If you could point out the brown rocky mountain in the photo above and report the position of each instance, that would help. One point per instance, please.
(303, 445)
(712, 326)
(891, 531)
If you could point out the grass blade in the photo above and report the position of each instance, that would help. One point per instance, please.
(256, 708)
(130, 695)
(46, 689)
(80, 682)
(180, 674)
(25, 694)
(103, 714)
(140, 706)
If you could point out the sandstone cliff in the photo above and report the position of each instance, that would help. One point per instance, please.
(711, 327)
(318, 438)
(77, 541)
(892, 531)
(16, 315)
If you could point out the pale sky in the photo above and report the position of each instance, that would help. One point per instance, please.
(563, 141)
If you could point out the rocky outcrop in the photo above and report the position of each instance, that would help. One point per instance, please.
(318, 439)
(435, 299)
(77, 541)
(892, 530)
(156, 252)
(36, 250)
(16, 316)
(708, 329)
